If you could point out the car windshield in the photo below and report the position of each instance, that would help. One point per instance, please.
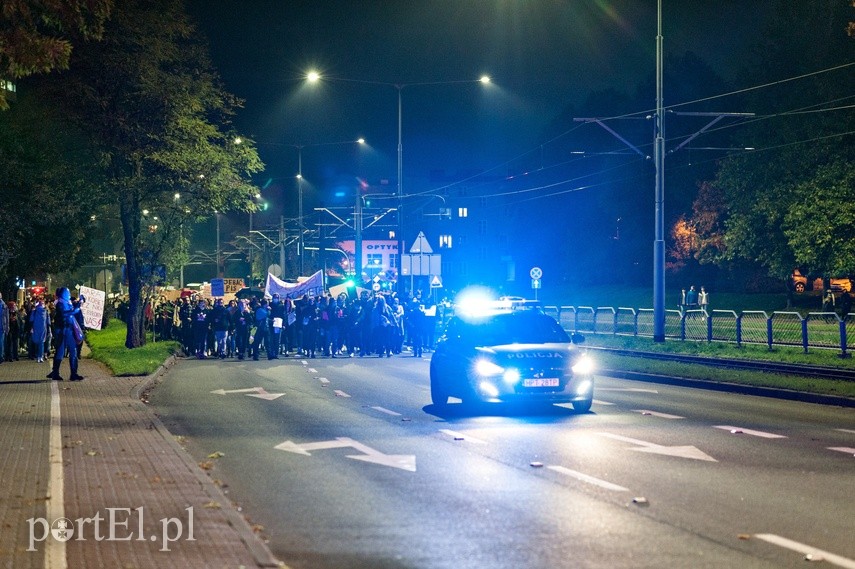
(521, 327)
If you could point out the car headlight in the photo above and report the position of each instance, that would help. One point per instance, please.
(486, 368)
(583, 366)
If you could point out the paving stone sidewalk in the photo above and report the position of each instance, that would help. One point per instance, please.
(117, 460)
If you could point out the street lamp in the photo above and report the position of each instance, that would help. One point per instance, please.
(300, 243)
(315, 76)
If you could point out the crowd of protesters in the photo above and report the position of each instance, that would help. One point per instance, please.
(39, 329)
(379, 325)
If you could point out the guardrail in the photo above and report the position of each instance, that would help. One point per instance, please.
(825, 330)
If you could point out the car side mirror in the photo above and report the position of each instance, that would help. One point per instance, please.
(577, 338)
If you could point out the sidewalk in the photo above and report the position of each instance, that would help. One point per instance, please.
(117, 461)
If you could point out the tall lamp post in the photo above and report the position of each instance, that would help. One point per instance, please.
(301, 247)
(315, 76)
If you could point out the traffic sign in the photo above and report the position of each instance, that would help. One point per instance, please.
(535, 283)
(435, 282)
(535, 273)
(421, 245)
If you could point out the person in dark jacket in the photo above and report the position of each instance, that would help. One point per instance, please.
(241, 322)
(219, 321)
(260, 322)
(200, 328)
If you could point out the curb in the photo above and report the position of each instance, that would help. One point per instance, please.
(260, 552)
(773, 392)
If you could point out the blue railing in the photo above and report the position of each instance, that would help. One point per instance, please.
(825, 330)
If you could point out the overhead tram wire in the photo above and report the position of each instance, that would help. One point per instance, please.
(643, 113)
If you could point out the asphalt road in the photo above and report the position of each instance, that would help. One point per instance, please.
(345, 463)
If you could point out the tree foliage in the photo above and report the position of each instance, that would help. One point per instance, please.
(161, 122)
(36, 37)
(46, 192)
(785, 202)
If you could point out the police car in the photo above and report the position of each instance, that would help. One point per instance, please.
(510, 351)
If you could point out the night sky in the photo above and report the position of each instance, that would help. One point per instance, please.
(541, 55)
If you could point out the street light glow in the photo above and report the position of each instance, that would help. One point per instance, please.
(360, 140)
(485, 79)
(313, 76)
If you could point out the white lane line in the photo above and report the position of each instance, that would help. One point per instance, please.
(843, 449)
(304, 362)
(312, 370)
(461, 437)
(588, 479)
(340, 393)
(658, 414)
(387, 411)
(630, 389)
(598, 402)
(816, 554)
(850, 431)
(741, 431)
(55, 551)
(324, 381)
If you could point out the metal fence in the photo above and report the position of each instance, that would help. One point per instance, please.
(824, 330)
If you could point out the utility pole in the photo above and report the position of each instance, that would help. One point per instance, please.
(357, 242)
(282, 243)
(659, 158)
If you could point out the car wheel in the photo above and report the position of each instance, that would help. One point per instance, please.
(438, 391)
(582, 406)
(800, 287)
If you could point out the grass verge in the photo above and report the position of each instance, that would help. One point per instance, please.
(108, 347)
(828, 358)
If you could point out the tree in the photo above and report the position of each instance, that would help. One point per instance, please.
(829, 245)
(155, 110)
(45, 191)
(795, 181)
(36, 37)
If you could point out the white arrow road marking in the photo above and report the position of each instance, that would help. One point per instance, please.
(815, 553)
(658, 414)
(843, 449)
(846, 431)
(740, 430)
(387, 411)
(402, 461)
(262, 394)
(588, 479)
(258, 392)
(631, 389)
(462, 437)
(340, 393)
(686, 451)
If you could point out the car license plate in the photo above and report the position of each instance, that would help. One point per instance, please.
(540, 382)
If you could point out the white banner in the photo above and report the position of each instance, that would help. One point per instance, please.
(313, 286)
(93, 308)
